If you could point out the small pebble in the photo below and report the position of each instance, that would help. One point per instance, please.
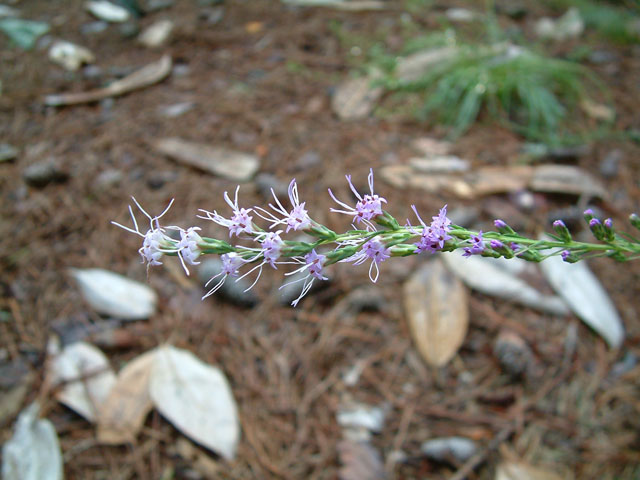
(43, 173)
(158, 179)
(176, 110)
(265, 182)
(155, 5)
(308, 160)
(7, 152)
(108, 179)
(513, 353)
(94, 27)
(452, 450)
(610, 164)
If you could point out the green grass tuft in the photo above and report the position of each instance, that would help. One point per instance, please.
(530, 93)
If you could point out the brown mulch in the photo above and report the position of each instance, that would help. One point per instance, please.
(267, 93)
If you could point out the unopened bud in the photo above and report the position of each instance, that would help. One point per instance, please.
(635, 220)
(562, 231)
(597, 229)
(386, 220)
(503, 227)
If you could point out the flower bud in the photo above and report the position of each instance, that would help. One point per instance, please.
(588, 215)
(597, 229)
(402, 250)
(340, 254)
(503, 227)
(386, 220)
(569, 257)
(501, 248)
(320, 231)
(609, 232)
(562, 231)
(635, 220)
(215, 246)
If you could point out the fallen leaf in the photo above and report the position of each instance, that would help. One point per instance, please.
(11, 400)
(23, 33)
(69, 55)
(254, 27)
(360, 461)
(348, 5)
(450, 450)
(523, 471)
(84, 376)
(128, 404)
(491, 277)
(355, 98)
(237, 166)
(437, 310)
(33, 452)
(598, 111)
(147, 75)
(196, 398)
(566, 179)
(580, 288)
(412, 67)
(111, 294)
(361, 416)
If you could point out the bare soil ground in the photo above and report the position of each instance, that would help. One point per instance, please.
(261, 81)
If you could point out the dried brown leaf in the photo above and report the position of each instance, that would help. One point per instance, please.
(128, 404)
(523, 471)
(147, 75)
(360, 461)
(436, 305)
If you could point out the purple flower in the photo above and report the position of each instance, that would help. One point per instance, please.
(373, 250)
(271, 245)
(313, 263)
(296, 219)
(608, 223)
(514, 246)
(433, 236)
(565, 255)
(231, 263)
(155, 242)
(188, 249)
(594, 222)
(477, 245)
(240, 220)
(499, 223)
(496, 244)
(368, 206)
(559, 224)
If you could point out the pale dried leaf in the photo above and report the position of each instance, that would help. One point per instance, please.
(490, 277)
(411, 68)
(33, 453)
(566, 179)
(580, 288)
(237, 166)
(523, 471)
(355, 98)
(11, 400)
(437, 310)
(598, 111)
(111, 294)
(360, 461)
(84, 376)
(196, 398)
(147, 75)
(123, 413)
(346, 5)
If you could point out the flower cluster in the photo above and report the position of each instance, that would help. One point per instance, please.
(376, 237)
